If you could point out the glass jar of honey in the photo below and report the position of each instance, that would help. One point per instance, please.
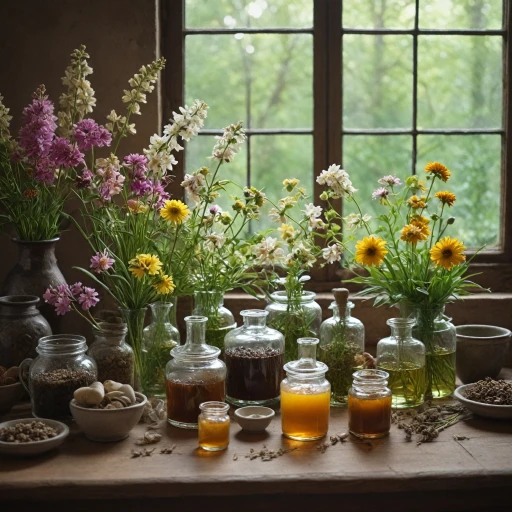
(214, 426)
(369, 404)
(194, 375)
(305, 395)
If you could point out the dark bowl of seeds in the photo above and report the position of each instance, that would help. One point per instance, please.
(29, 436)
(488, 398)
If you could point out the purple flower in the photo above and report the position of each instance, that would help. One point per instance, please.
(390, 181)
(140, 188)
(88, 298)
(112, 186)
(63, 305)
(157, 194)
(101, 262)
(45, 171)
(62, 152)
(381, 193)
(84, 180)
(76, 289)
(51, 296)
(139, 163)
(214, 209)
(89, 134)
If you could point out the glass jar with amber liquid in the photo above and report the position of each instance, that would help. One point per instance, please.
(369, 404)
(305, 395)
(214, 426)
(194, 375)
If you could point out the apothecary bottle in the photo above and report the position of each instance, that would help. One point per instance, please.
(220, 320)
(295, 318)
(254, 357)
(113, 356)
(403, 358)
(60, 368)
(369, 404)
(214, 425)
(305, 395)
(194, 375)
(158, 339)
(341, 345)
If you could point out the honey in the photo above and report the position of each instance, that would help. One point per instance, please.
(305, 417)
(214, 426)
(369, 418)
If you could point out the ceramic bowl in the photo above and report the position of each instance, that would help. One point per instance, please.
(254, 418)
(481, 351)
(10, 395)
(34, 447)
(485, 410)
(106, 425)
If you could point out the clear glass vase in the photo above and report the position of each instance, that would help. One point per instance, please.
(294, 318)
(134, 319)
(220, 320)
(341, 342)
(159, 338)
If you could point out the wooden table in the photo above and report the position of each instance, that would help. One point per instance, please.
(391, 474)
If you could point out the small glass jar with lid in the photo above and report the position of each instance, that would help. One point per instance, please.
(195, 374)
(341, 346)
(305, 395)
(214, 425)
(254, 357)
(369, 405)
(403, 358)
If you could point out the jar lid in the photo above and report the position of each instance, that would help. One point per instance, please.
(195, 348)
(306, 366)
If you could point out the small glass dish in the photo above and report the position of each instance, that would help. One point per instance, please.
(254, 418)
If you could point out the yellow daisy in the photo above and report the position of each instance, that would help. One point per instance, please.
(144, 264)
(413, 234)
(371, 251)
(422, 223)
(286, 231)
(174, 211)
(164, 285)
(417, 202)
(448, 252)
(446, 197)
(136, 207)
(439, 170)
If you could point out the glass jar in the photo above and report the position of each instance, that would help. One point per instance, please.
(60, 368)
(220, 320)
(369, 404)
(214, 426)
(294, 318)
(159, 338)
(341, 342)
(403, 358)
(194, 375)
(305, 395)
(113, 356)
(254, 357)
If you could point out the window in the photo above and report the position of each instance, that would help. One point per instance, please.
(380, 86)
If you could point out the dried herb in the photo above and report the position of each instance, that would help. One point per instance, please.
(490, 391)
(142, 453)
(265, 454)
(149, 438)
(167, 450)
(338, 438)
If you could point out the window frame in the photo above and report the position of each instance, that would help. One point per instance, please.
(328, 131)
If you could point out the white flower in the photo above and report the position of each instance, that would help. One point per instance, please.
(214, 241)
(193, 183)
(332, 253)
(275, 216)
(390, 180)
(354, 220)
(312, 211)
(337, 180)
(286, 202)
(228, 145)
(5, 120)
(267, 252)
(301, 253)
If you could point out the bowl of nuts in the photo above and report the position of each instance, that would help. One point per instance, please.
(107, 412)
(28, 436)
(489, 398)
(11, 390)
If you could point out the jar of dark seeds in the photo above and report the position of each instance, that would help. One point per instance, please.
(60, 368)
(113, 356)
(254, 357)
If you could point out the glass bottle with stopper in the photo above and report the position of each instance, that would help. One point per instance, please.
(194, 375)
(305, 395)
(341, 346)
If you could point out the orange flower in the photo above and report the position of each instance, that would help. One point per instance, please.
(439, 170)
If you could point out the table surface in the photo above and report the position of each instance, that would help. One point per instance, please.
(83, 470)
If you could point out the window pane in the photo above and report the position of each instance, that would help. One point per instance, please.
(377, 82)
(459, 82)
(474, 161)
(245, 13)
(266, 80)
(277, 157)
(460, 14)
(378, 14)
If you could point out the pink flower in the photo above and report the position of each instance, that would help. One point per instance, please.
(381, 193)
(62, 152)
(63, 305)
(76, 289)
(89, 134)
(45, 171)
(390, 181)
(157, 193)
(88, 298)
(101, 262)
(50, 296)
(84, 180)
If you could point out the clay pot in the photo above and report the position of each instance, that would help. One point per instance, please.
(35, 271)
(21, 326)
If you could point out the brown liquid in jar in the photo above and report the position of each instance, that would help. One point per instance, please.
(369, 418)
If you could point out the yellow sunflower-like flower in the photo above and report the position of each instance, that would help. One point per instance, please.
(413, 234)
(286, 231)
(446, 197)
(422, 223)
(371, 251)
(417, 202)
(164, 285)
(439, 170)
(448, 252)
(174, 211)
(144, 264)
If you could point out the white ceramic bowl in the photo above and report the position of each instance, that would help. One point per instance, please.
(10, 395)
(34, 447)
(485, 410)
(106, 425)
(254, 418)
